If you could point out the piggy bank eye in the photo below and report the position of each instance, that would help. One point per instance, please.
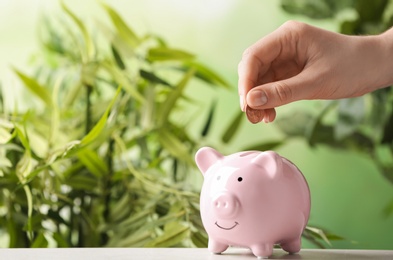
(218, 177)
(239, 179)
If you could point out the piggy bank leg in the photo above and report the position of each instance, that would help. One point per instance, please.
(292, 246)
(216, 247)
(262, 250)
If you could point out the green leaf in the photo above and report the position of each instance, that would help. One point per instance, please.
(99, 127)
(94, 163)
(199, 240)
(320, 233)
(233, 127)
(29, 198)
(40, 241)
(153, 78)
(122, 28)
(170, 101)
(124, 82)
(6, 131)
(263, 146)
(167, 54)
(171, 237)
(36, 88)
(121, 209)
(118, 59)
(209, 119)
(82, 182)
(174, 146)
(206, 74)
(136, 239)
(90, 49)
(61, 242)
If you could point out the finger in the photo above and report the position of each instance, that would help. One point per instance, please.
(275, 94)
(270, 115)
(255, 62)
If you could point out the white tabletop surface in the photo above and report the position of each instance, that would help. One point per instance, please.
(182, 253)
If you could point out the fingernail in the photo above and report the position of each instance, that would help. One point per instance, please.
(258, 98)
(242, 103)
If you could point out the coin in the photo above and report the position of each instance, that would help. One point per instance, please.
(254, 115)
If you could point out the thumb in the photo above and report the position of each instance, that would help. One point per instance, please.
(278, 93)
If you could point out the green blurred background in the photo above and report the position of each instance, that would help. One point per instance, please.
(348, 193)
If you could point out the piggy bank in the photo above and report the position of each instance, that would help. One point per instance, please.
(252, 199)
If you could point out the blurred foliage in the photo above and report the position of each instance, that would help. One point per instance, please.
(98, 158)
(363, 124)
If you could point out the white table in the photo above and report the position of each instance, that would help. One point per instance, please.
(181, 253)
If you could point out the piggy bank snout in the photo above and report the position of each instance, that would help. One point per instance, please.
(225, 205)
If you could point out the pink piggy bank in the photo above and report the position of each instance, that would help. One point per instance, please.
(252, 199)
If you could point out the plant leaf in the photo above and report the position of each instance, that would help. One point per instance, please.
(167, 54)
(176, 234)
(174, 146)
(35, 87)
(122, 28)
(209, 119)
(40, 241)
(93, 162)
(117, 57)
(206, 74)
(90, 49)
(170, 102)
(264, 146)
(99, 127)
(233, 127)
(153, 78)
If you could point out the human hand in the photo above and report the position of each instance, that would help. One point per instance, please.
(299, 61)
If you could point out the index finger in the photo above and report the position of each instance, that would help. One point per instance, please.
(256, 61)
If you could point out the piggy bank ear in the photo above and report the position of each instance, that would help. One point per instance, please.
(270, 161)
(206, 157)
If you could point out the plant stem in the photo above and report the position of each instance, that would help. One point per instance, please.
(107, 186)
(89, 90)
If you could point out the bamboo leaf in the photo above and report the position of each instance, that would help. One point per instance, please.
(29, 198)
(124, 82)
(82, 182)
(209, 119)
(117, 57)
(167, 54)
(264, 146)
(122, 28)
(90, 49)
(199, 240)
(121, 209)
(174, 146)
(320, 233)
(206, 74)
(61, 242)
(93, 162)
(151, 77)
(99, 127)
(35, 88)
(40, 241)
(233, 127)
(170, 102)
(173, 236)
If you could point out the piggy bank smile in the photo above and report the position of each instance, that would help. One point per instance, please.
(227, 228)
